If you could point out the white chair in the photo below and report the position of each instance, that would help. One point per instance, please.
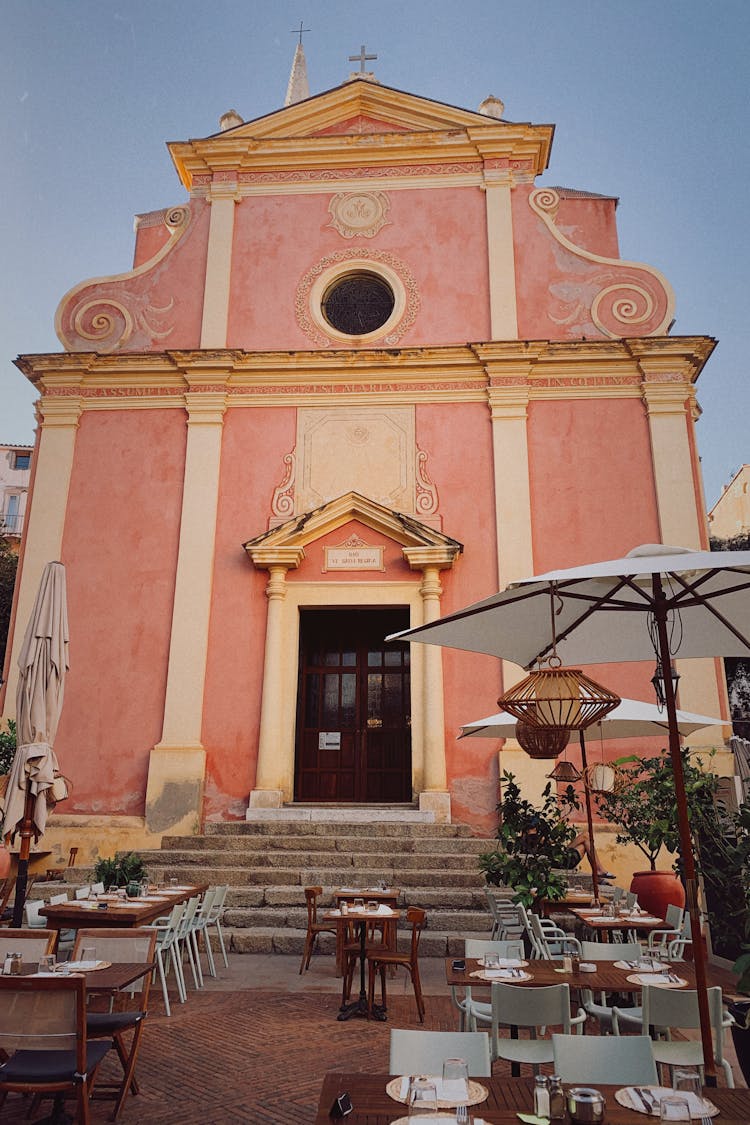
(34, 919)
(97, 888)
(168, 952)
(67, 937)
(506, 921)
(55, 900)
(185, 943)
(658, 940)
(664, 1009)
(83, 892)
(515, 1006)
(627, 1061)
(470, 1010)
(550, 941)
(423, 1052)
(605, 951)
(214, 920)
(198, 931)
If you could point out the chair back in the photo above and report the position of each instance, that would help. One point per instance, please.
(113, 945)
(626, 1060)
(167, 929)
(32, 944)
(83, 892)
(548, 1005)
(220, 894)
(631, 900)
(97, 888)
(55, 900)
(610, 950)
(673, 916)
(678, 1007)
(44, 1014)
(477, 947)
(311, 901)
(424, 1052)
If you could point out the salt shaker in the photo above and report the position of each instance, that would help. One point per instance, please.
(541, 1096)
(16, 964)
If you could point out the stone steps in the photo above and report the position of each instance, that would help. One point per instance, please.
(269, 861)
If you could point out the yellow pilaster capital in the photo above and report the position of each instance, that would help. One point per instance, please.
(668, 398)
(59, 411)
(222, 191)
(205, 407)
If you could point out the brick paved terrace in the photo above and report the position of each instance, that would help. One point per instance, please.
(254, 1045)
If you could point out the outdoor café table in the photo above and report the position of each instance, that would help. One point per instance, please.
(107, 981)
(570, 901)
(607, 978)
(599, 924)
(506, 1098)
(360, 918)
(128, 912)
(388, 896)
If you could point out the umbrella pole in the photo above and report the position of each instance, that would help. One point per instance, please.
(589, 818)
(22, 875)
(686, 841)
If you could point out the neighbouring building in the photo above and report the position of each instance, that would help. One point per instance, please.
(15, 475)
(366, 372)
(730, 515)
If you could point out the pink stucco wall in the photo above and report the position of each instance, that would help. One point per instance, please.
(439, 235)
(120, 552)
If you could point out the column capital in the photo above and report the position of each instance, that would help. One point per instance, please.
(205, 407)
(271, 558)
(223, 191)
(59, 410)
(427, 558)
(668, 398)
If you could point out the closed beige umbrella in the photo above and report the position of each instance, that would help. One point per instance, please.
(43, 663)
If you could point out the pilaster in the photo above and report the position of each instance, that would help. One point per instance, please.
(223, 197)
(500, 255)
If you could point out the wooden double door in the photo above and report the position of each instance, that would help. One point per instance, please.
(353, 716)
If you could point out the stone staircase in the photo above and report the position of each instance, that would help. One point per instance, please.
(268, 863)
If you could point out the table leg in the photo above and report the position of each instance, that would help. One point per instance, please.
(360, 1007)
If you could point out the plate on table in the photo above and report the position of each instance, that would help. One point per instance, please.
(659, 979)
(450, 1093)
(628, 1098)
(84, 966)
(511, 976)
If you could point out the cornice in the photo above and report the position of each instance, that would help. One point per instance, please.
(500, 373)
(238, 154)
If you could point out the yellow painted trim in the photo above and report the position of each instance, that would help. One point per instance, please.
(223, 198)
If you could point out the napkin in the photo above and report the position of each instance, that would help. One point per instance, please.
(699, 1106)
(448, 1090)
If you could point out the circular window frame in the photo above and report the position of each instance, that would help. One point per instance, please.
(329, 277)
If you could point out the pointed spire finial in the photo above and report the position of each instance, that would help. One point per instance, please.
(298, 88)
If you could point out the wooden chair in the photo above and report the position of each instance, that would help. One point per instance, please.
(33, 944)
(43, 1030)
(314, 927)
(128, 946)
(380, 958)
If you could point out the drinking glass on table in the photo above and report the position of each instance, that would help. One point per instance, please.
(492, 960)
(358, 904)
(88, 953)
(422, 1097)
(372, 905)
(674, 1107)
(456, 1074)
(46, 963)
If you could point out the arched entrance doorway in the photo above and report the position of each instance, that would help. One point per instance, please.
(353, 740)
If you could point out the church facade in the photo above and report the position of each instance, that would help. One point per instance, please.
(367, 373)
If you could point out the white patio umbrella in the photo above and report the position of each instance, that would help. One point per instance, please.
(631, 718)
(656, 603)
(43, 663)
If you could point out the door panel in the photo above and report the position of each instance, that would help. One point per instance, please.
(353, 721)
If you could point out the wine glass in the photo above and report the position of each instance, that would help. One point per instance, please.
(422, 1097)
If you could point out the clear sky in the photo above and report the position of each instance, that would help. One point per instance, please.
(649, 99)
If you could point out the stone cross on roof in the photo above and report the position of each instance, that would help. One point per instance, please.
(362, 58)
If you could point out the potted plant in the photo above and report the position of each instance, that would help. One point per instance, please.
(533, 844)
(643, 809)
(123, 870)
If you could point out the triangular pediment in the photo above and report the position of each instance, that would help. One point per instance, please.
(358, 101)
(288, 541)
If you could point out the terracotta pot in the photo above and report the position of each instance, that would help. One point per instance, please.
(657, 890)
(4, 862)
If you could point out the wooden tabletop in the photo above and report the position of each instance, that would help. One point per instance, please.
(114, 978)
(607, 977)
(599, 922)
(507, 1097)
(129, 912)
(387, 895)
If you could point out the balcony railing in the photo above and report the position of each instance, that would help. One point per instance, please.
(11, 523)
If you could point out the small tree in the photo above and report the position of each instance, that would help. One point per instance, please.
(533, 843)
(8, 568)
(643, 806)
